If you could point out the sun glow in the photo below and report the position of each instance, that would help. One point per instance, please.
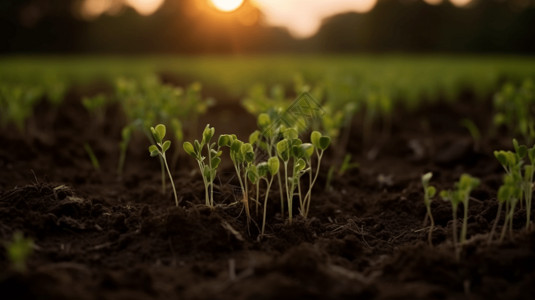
(227, 5)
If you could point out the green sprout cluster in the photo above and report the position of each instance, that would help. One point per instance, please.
(517, 185)
(460, 194)
(515, 109)
(207, 161)
(147, 101)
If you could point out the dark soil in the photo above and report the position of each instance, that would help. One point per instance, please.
(98, 236)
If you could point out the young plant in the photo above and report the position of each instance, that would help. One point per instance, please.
(267, 171)
(243, 157)
(19, 250)
(92, 157)
(429, 193)
(518, 185)
(126, 136)
(320, 144)
(159, 149)
(207, 164)
(460, 194)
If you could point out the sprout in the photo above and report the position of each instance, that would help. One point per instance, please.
(92, 157)
(207, 164)
(267, 170)
(159, 149)
(320, 143)
(429, 193)
(460, 194)
(517, 186)
(19, 250)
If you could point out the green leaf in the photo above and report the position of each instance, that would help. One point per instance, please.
(207, 134)
(206, 172)
(300, 165)
(166, 146)
(531, 155)
(215, 162)
(253, 137)
(290, 134)
(315, 139)
(431, 191)
(188, 147)
(160, 131)
(283, 150)
(153, 150)
(263, 120)
(262, 169)
(324, 142)
(501, 157)
(426, 178)
(273, 164)
(224, 140)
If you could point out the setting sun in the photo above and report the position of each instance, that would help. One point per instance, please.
(227, 5)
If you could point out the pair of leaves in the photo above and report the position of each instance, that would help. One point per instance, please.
(320, 141)
(158, 133)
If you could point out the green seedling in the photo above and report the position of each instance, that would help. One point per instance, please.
(92, 157)
(320, 143)
(96, 105)
(460, 194)
(515, 109)
(159, 149)
(429, 193)
(18, 251)
(518, 185)
(207, 164)
(126, 136)
(474, 132)
(346, 165)
(267, 171)
(243, 157)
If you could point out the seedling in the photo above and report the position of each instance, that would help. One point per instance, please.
(19, 250)
(267, 171)
(320, 144)
(518, 185)
(207, 164)
(159, 149)
(460, 194)
(126, 136)
(243, 157)
(515, 108)
(92, 157)
(429, 193)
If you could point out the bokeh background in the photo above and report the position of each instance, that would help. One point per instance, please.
(264, 26)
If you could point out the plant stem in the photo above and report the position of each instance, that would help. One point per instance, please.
(495, 222)
(430, 234)
(455, 247)
(288, 198)
(170, 178)
(465, 222)
(265, 204)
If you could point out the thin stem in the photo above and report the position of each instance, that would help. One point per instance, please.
(170, 178)
(265, 204)
(319, 155)
(288, 198)
(257, 195)
(430, 234)
(163, 174)
(454, 215)
(495, 222)
(506, 220)
(465, 222)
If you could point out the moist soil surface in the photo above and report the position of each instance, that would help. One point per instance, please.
(100, 236)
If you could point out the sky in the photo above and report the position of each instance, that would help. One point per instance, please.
(302, 18)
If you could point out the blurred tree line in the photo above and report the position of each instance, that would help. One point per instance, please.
(182, 26)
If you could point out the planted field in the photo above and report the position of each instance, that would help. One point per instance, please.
(276, 177)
